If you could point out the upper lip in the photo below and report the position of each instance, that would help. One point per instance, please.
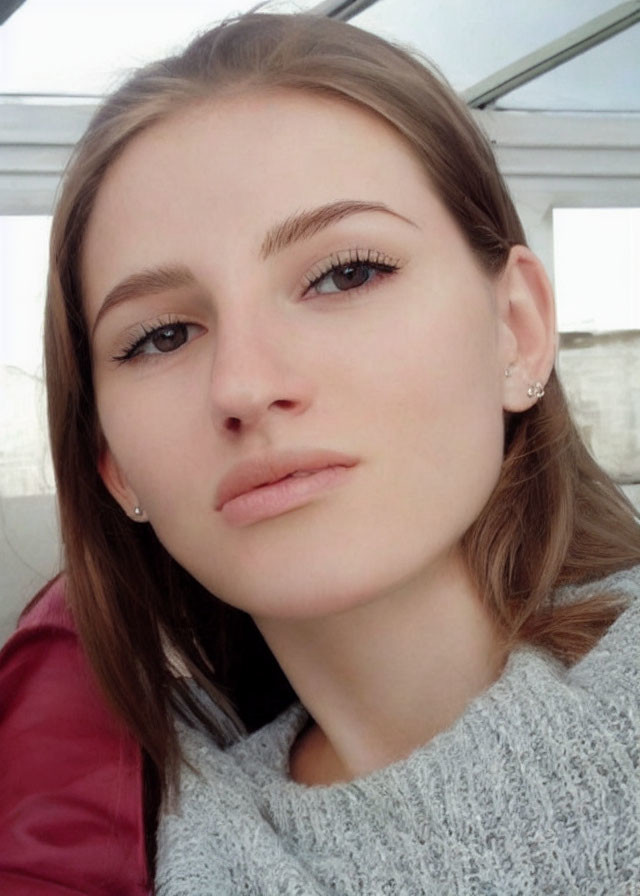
(268, 468)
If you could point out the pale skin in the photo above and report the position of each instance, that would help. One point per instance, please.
(361, 592)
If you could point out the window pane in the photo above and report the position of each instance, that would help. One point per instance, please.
(601, 376)
(597, 268)
(25, 467)
(597, 274)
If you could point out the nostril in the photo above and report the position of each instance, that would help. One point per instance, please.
(284, 403)
(233, 424)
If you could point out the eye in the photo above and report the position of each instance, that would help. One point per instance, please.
(346, 277)
(160, 339)
(356, 270)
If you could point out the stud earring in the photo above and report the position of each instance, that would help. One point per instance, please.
(508, 370)
(138, 512)
(536, 390)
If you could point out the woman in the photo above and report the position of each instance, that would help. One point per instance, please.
(310, 447)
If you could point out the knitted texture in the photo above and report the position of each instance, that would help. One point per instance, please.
(534, 790)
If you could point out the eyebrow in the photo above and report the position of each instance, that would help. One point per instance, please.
(296, 228)
(147, 282)
(307, 223)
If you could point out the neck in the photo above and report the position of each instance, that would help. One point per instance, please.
(384, 677)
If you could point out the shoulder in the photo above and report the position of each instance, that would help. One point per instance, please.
(611, 670)
(48, 608)
(46, 680)
(623, 585)
(71, 789)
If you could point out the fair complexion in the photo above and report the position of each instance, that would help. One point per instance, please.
(264, 291)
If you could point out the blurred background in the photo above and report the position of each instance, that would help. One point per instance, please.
(554, 83)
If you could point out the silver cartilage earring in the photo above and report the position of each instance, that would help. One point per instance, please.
(535, 391)
(508, 370)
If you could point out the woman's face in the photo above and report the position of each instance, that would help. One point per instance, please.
(273, 288)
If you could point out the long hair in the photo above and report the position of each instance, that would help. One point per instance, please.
(555, 518)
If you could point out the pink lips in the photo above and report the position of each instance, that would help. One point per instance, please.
(272, 484)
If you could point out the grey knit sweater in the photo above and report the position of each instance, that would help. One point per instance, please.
(534, 790)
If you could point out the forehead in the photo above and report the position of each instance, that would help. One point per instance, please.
(267, 139)
(233, 166)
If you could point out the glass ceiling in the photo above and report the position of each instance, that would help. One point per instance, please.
(85, 47)
(80, 48)
(604, 79)
(469, 40)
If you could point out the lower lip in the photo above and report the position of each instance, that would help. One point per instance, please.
(280, 497)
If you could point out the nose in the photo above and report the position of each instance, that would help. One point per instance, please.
(257, 373)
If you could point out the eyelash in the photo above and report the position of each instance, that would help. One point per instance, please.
(362, 258)
(371, 258)
(144, 335)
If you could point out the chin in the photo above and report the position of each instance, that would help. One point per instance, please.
(317, 587)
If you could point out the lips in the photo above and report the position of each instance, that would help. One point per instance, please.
(264, 471)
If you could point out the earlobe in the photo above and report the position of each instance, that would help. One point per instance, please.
(527, 328)
(118, 486)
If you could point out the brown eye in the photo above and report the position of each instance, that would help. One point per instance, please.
(345, 277)
(159, 340)
(350, 276)
(168, 339)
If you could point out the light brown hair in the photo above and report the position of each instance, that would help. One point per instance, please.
(554, 518)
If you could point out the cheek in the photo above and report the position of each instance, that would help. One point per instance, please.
(147, 431)
(443, 359)
(443, 404)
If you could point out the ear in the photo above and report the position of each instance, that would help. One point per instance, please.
(527, 328)
(117, 484)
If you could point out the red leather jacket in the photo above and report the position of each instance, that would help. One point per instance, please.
(71, 815)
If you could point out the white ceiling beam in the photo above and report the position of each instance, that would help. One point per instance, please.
(44, 123)
(553, 54)
(567, 130)
(36, 140)
(596, 154)
(571, 160)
